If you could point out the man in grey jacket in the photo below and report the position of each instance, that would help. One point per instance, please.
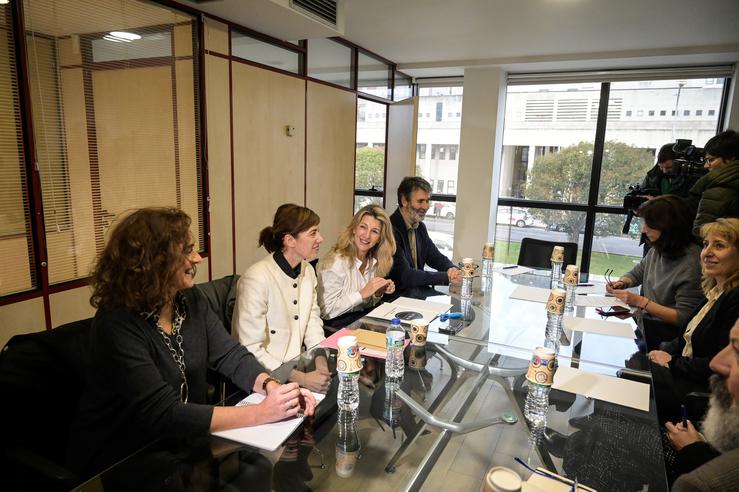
(710, 461)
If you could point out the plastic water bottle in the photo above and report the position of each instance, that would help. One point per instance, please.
(537, 403)
(570, 298)
(394, 338)
(553, 331)
(347, 445)
(556, 280)
(348, 395)
(392, 405)
(487, 267)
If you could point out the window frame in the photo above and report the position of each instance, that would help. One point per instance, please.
(591, 208)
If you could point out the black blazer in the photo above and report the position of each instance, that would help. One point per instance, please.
(709, 338)
(403, 273)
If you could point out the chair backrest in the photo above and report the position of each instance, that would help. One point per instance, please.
(221, 296)
(537, 253)
(42, 376)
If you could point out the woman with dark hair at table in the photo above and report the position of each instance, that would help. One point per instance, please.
(276, 314)
(351, 276)
(153, 339)
(670, 273)
(681, 366)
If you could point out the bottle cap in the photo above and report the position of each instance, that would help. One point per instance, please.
(395, 321)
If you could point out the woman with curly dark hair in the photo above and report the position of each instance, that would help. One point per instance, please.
(153, 339)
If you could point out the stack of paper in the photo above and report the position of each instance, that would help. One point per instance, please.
(371, 343)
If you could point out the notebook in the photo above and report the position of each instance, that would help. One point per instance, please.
(266, 436)
(406, 309)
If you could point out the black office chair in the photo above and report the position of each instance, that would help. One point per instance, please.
(537, 253)
(221, 296)
(42, 376)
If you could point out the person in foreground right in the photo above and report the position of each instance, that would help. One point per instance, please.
(710, 461)
(681, 366)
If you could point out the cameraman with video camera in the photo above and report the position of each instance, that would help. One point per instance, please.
(716, 194)
(662, 179)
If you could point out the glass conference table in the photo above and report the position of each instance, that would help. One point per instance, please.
(457, 412)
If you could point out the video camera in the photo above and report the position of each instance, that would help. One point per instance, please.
(689, 159)
(632, 200)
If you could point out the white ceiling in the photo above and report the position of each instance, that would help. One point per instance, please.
(442, 37)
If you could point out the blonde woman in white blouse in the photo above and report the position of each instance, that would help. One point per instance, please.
(351, 276)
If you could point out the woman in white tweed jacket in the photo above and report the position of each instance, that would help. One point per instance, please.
(277, 314)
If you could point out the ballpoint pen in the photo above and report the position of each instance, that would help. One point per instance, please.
(684, 415)
(509, 267)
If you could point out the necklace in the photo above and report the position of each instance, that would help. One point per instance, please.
(178, 355)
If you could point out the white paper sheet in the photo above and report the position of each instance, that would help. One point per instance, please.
(534, 294)
(591, 289)
(607, 388)
(597, 301)
(512, 270)
(265, 436)
(427, 310)
(601, 327)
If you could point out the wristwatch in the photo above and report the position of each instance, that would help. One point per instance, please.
(266, 382)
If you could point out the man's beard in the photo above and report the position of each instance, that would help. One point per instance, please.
(415, 215)
(721, 424)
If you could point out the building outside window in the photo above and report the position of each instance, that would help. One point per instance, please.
(442, 135)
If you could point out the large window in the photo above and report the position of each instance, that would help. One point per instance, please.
(369, 178)
(115, 118)
(439, 133)
(17, 269)
(566, 165)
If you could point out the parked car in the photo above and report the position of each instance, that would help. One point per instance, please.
(516, 216)
(445, 210)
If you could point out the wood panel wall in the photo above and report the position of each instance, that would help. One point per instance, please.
(269, 165)
(330, 149)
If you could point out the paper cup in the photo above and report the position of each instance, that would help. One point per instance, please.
(348, 356)
(502, 479)
(488, 251)
(417, 358)
(468, 267)
(556, 301)
(558, 253)
(542, 367)
(345, 462)
(419, 332)
(571, 275)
